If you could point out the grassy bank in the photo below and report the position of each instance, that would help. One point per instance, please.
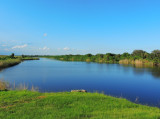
(29, 58)
(66, 105)
(8, 61)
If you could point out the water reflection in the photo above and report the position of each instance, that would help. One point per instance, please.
(142, 69)
(1, 69)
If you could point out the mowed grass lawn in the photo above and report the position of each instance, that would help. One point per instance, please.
(67, 105)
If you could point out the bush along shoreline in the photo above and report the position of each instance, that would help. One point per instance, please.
(8, 61)
(137, 57)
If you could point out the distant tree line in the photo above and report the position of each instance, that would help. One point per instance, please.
(154, 57)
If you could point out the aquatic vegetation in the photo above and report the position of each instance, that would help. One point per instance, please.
(3, 85)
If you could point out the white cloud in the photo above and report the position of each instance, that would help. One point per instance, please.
(45, 34)
(20, 46)
(66, 48)
(44, 48)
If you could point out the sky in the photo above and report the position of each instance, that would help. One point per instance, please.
(58, 27)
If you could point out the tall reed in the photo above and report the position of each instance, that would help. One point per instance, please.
(3, 85)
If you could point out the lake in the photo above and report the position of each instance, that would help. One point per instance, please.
(141, 84)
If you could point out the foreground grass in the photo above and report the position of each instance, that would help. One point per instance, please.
(66, 105)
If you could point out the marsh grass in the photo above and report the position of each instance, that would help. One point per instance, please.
(23, 86)
(9, 62)
(6, 61)
(30, 58)
(4, 86)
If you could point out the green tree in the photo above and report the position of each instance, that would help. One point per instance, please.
(125, 55)
(23, 56)
(12, 55)
(156, 53)
(89, 55)
(139, 53)
(100, 55)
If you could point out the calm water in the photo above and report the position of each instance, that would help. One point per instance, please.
(112, 79)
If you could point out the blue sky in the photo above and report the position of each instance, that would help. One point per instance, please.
(78, 26)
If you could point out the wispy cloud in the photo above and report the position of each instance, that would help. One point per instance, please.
(44, 48)
(19, 46)
(66, 48)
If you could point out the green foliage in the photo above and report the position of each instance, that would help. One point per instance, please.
(23, 56)
(140, 55)
(89, 55)
(125, 55)
(12, 55)
(156, 53)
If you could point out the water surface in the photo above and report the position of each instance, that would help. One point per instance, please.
(112, 79)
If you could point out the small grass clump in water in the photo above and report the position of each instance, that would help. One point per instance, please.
(3, 86)
(67, 105)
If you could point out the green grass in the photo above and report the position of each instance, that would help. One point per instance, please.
(66, 105)
(6, 61)
(30, 58)
(9, 62)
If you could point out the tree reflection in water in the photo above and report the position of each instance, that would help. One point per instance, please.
(140, 69)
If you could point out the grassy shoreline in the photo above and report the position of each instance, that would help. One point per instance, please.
(66, 105)
(6, 61)
(9, 62)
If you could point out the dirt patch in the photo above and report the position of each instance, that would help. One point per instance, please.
(41, 97)
(4, 107)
